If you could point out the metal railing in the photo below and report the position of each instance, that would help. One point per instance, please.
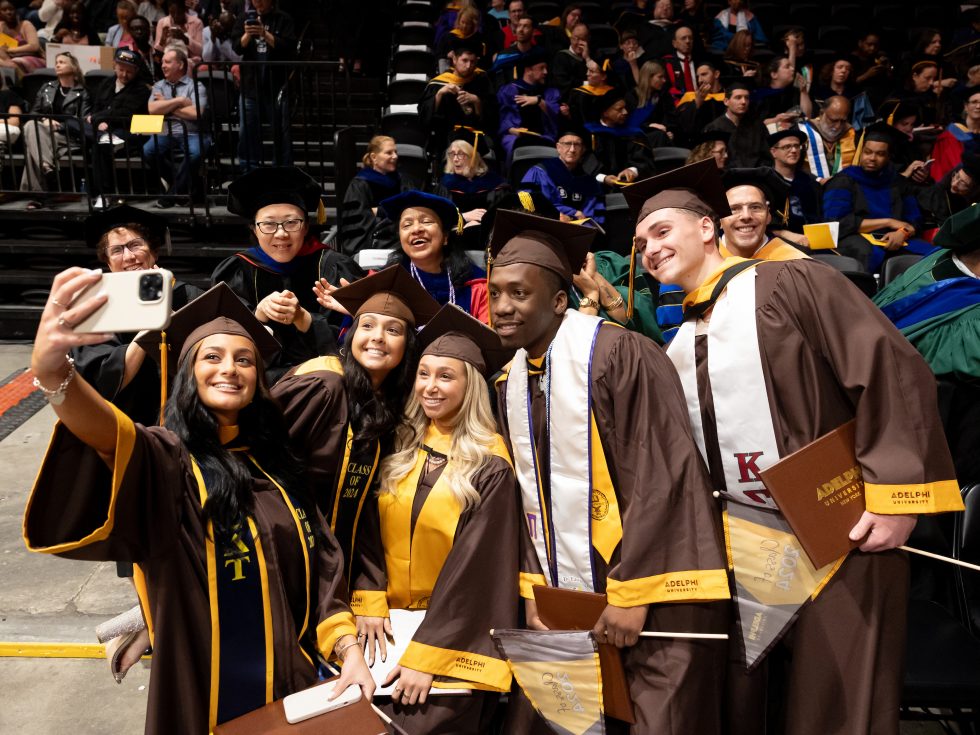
(250, 114)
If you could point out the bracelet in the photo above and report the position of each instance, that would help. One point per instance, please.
(57, 396)
(341, 650)
(615, 304)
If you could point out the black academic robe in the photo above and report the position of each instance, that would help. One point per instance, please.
(442, 119)
(566, 71)
(103, 366)
(615, 149)
(748, 146)
(147, 509)
(475, 582)
(252, 282)
(669, 523)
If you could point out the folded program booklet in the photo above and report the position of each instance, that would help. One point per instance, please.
(820, 491)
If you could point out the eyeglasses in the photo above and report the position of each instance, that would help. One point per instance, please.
(569, 145)
(137, 245)
(754, 208)
(269, 227)
(456, 154)
(789, 147)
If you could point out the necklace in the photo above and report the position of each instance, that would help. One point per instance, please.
(452, 291)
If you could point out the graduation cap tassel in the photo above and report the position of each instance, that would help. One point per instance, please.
(632, 281)
(321, 212)
(489, 268)
(163, 373)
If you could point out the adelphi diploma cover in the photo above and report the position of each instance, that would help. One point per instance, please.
(561, 609)
(354, 719)
(820, 490)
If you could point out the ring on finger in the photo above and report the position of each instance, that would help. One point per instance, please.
(62, 322)
(58, 303)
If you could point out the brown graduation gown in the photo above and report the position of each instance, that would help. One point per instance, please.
(476, 591)
(828, 355)
(314, 401)
(670, 523)
(148, 511)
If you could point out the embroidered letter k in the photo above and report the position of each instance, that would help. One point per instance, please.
(748, 471)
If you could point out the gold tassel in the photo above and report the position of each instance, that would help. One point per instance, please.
(527, 201)
(321, 212)
(489, 268)
(163, 373)
(629, 294)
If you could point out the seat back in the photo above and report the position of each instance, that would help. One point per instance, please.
(896, 266)
(526, 156)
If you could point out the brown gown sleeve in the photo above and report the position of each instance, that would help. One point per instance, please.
(476, 590)
(899, 438)
(315, 407)
(332, 616)
(369, 588)
(671, 549)
(81, 509)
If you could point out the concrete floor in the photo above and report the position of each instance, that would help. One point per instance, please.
(47, 599)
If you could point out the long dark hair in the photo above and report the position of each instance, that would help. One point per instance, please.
(375, 414)
(229, 480)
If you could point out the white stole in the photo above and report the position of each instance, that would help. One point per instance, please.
(743, 420)
(561, 531)
(816, 154)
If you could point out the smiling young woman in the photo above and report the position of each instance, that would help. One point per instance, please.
(215, 482)
(448, 499)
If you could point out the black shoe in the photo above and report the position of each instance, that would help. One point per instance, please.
(164, 203)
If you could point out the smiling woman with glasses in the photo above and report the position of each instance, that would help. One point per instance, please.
(471, 184)
(275, 276)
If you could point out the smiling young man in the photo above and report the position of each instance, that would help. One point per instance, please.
(614, 495)
(771, 356)
(757, 197)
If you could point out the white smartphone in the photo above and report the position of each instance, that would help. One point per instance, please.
(138, 300)
(314, 701)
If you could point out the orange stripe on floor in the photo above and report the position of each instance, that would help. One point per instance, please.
(16, 390)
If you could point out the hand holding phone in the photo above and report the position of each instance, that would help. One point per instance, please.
(137, 300)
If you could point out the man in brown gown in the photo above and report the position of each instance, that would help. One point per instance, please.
(649, 530)
(823, 355)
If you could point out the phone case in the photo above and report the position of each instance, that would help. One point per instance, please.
(313, 701)
(124, 311)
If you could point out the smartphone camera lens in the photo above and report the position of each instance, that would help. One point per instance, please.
(151, 287)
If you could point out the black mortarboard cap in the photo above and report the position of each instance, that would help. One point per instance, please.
(736, 84)
(773, 186)
(454, 333)
(274, 185)
(602, 102)
(709, 136)
(471, 44)
(961, 232)
(697, 187)
(446, 211)
(526, 199)
(779, 135)
(476, 138)
(560, 247)
(880, 132)
(101, 222)
(392, 292)
(533, 56)
(971, 165)
(216, 311)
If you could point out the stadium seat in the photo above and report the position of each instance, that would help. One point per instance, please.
(896, 266)
(412, 160)
(402, 123)
(526, 156)
(406, 92)
(32, 82)
(670, 157)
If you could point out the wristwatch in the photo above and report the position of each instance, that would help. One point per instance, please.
(587, 303)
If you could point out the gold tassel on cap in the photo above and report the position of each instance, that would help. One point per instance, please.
(163, 373)
(527, 201)
(629, 294)
(321, 212)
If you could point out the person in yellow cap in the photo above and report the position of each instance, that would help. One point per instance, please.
(342, 410)
(275, 276)
(240, 581)
(772, 355)
(615, 496)
(446, 532)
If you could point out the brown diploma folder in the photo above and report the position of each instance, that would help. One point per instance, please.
(354, 719)
(820, 490)
(575, 610)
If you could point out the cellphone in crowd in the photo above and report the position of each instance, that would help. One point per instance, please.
(137, 300)
(251, 18)
(928, 162)
(313, 701)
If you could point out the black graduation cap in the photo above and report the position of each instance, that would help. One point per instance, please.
(779, 135)
(966, 93)
(880, 132)
(961, 232)
(446, 211)
(899, 110)
(602, 102)
(470, 44)
(971, 165)
(736, 84)
(391, 291)
(454, 333)
(696, 186)
(560, 247)
(216, 311)
(773, 186)
(476, 138)
(275, 185)
(534, 55)
(101, 222)
(710, 136)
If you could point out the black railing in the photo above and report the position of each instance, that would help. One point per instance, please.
(290, 113)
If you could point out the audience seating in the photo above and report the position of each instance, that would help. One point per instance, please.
(525, 157)
(896, 266)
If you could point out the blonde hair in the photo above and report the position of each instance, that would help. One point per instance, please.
(478, 167)
(375, 146)
(473, 433)
(701, 151)
(467, 11)
(643, 89)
